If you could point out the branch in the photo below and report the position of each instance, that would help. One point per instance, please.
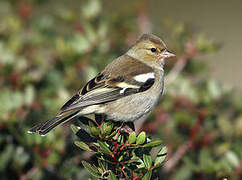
(190, 51)
(173, 161)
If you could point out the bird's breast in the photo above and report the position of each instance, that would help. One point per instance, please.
(134, 106)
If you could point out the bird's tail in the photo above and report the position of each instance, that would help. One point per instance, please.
(47, 126)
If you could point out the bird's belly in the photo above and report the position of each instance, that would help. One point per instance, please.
(130, 107)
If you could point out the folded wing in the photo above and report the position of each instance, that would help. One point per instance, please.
(113, 84)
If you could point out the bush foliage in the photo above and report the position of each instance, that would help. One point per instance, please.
(48, 49)
(120, 153)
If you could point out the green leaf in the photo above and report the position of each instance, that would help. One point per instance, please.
(141, 138)
(101, 165)
(91, 123)
(147, 160)
(141, 163)
(84, 126)
(83, 146)
(161, 156)
(100, 170)
(147, 175)
(132, 138)
(103, 147)
(120, 158)
(106, 128)
(153, 143)
(134, 159)
(74, 128)
(95, 131)
(107, 131)
(91, 169)
(112, 176)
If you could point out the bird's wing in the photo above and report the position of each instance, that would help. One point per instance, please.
(116, 81)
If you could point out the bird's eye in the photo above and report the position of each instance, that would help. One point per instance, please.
(153, 49)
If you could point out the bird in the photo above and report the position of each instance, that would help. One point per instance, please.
(127, 89)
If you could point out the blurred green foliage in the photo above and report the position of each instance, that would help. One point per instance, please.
(48, 50)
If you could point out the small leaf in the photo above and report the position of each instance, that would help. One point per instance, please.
(139, 161)
(134, 159)
(91, 123)
(101, 165)
(112, 134)
(153, 143)
(83, 146)
(95, 131)
(147, 175)
(106, 128)
(100, 170)
(91, 169)
(107, 131)
(141, 138)
(161, 156)
(132, 138)
(82, 124)
(147, 160)
(103, 127)
(120, 158)
(74, 128)
(112, 176)
(104, 147)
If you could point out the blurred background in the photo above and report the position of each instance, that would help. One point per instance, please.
(49, 49)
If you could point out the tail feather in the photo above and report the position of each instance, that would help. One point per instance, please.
(47, 126)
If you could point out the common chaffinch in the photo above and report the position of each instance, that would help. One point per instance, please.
(128, 88)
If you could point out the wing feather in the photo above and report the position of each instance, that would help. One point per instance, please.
(113, 83)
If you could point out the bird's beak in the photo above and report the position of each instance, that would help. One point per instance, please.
(168, 54)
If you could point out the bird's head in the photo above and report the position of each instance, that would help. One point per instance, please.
(151, 50)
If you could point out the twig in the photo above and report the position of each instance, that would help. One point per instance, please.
(176, 70)
(173, 161)
(190, 51)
